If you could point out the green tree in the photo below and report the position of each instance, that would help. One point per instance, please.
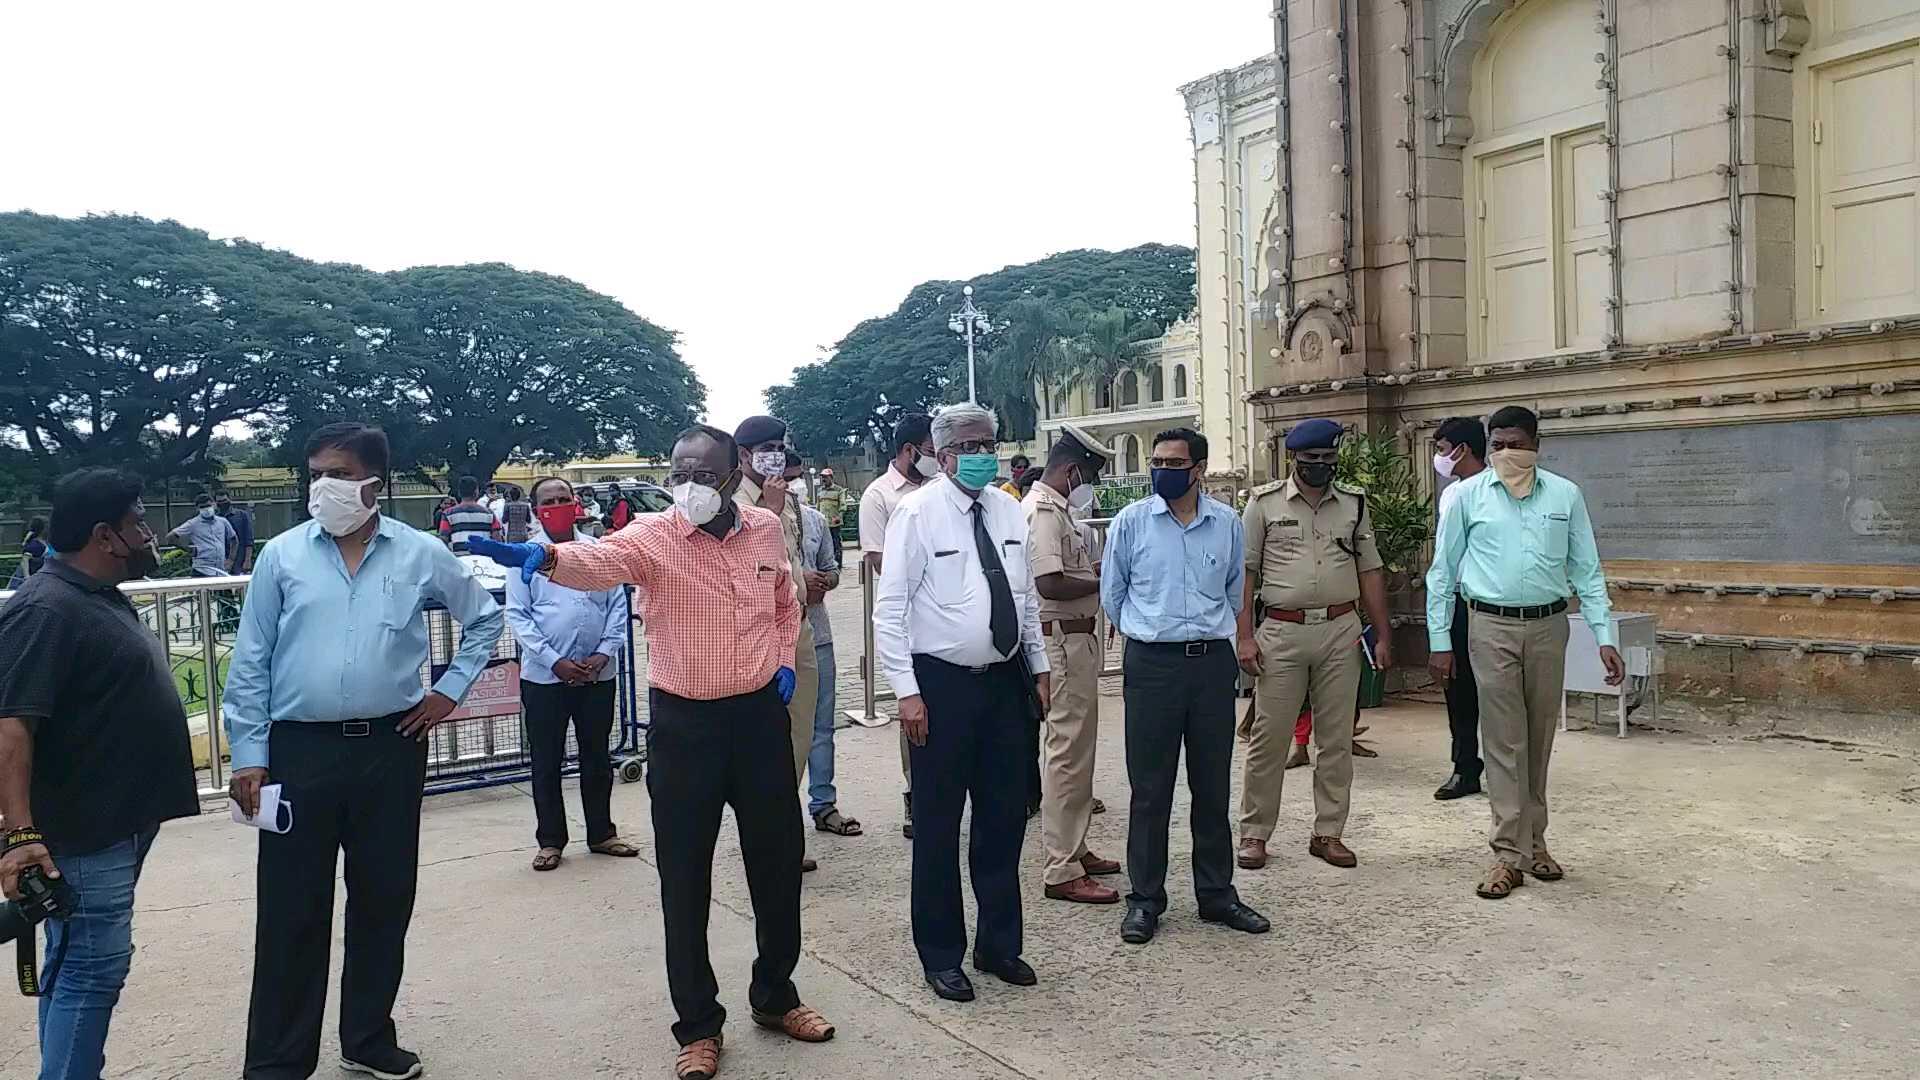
(127, 342)
(496, 362)
(910, 360)
(1107, 344)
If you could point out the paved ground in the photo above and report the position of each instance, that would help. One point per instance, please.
(1734, 909)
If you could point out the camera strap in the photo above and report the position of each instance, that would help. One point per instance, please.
(25, 947)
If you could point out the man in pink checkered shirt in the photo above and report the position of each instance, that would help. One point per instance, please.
(721, 618)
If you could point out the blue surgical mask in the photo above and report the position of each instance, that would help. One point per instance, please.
(1170, 484)
(975, 471)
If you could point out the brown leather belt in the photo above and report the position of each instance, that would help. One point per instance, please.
(1068, 626)
(1310, 616)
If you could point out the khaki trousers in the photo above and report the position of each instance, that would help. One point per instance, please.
(1521, 668)
(806, 699)
(1073, 733)
(1298, 659)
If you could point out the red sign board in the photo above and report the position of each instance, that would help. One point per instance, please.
(495, 693)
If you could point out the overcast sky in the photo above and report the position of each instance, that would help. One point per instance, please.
(757, 176)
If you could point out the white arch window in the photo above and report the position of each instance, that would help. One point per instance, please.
(1129, 389)
(1127, 449)
(1536, 224)
(1179, 382)
(1156, 384)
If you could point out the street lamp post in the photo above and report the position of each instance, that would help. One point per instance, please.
(965, 321)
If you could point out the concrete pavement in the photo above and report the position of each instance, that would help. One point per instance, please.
(1733, 909)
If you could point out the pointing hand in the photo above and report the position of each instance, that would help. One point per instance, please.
(527, 557)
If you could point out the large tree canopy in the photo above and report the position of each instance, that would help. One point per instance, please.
(911, 360)
(128, 342)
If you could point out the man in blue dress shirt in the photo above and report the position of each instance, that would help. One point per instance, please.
(569, 640)
(1172, 584)
(1516, 542)
(324, 698)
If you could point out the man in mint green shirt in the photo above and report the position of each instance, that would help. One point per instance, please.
(1517, 544)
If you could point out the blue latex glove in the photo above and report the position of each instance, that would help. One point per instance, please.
(783, 682)
(527, 557)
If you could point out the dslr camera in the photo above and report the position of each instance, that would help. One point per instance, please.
(41, 898)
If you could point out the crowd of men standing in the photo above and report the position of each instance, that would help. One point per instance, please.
(987, 605)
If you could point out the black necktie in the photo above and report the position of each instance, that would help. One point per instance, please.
(1006, 628)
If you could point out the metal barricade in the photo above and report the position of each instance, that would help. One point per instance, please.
(197, 621)
(874, 688)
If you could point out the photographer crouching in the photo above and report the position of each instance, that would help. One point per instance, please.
(93, 757)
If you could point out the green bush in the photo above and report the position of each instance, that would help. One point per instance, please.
(1402, 517)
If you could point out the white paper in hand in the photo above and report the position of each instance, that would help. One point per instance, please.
(275, 816)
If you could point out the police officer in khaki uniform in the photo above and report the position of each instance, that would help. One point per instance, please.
(1063, 557)
(1311, 559)
(763, 465)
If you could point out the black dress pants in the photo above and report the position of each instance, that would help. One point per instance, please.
(1463, 701)
(550, 707)
(355, 787)
(976, 744)
(1180, 694)
(703, 756)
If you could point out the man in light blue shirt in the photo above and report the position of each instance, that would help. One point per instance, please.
(324, 696)
(1171, 582)
(820, 556)
(1517, 543)
(570, 642)
(208, 537)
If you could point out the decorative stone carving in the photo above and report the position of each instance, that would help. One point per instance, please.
(1787, 27)
(1461, 39)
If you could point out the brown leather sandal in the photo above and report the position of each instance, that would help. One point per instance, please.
(1543, 867)
(547, 859)
(615, 847)
(1500, 882)
(698, 1060)
(800, 1022)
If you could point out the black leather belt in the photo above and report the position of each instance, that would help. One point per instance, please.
(1185, 648)
(1068, 626)
(1541, 611)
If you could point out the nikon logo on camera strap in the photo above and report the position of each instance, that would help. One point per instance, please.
(38, 900)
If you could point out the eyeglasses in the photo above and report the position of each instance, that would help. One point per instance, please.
(703, 477)
(977, 446)
(1169, 463)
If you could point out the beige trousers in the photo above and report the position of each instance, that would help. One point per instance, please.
(806, 698)
(1521, 668)
(1298, 659)
(1073, 733)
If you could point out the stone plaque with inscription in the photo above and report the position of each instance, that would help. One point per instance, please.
(1814, 491)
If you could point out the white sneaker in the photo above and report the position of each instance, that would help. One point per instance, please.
(409, 1065)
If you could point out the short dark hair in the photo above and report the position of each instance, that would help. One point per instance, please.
(1464, 431)
(467, 487)
(1020, 464)
(202, 499)
(794, 459)
(912, 430)
(84, 498)
(37, 524)
(1196, 442)
(533, 493)
(368, 444)
(723, 438)
(1516, 416)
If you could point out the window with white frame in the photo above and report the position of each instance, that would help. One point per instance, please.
(1861, 149)
(1536, 170)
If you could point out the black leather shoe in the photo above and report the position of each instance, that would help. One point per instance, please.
(1139, 926)
(1014, 972)
(1457, 787)
(952, 984)
(906, 827)
(1238, 917)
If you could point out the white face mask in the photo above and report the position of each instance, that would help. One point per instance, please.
(1080, 499)
(206, 513)
(770, 463)
(1443, 464)
(927, 466)
(699, 502)
(336, 504)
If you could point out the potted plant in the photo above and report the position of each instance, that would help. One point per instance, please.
(1402, 521)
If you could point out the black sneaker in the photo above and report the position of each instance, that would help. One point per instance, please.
(395, 1064)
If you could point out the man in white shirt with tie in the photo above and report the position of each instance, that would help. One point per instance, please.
(957, 635)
